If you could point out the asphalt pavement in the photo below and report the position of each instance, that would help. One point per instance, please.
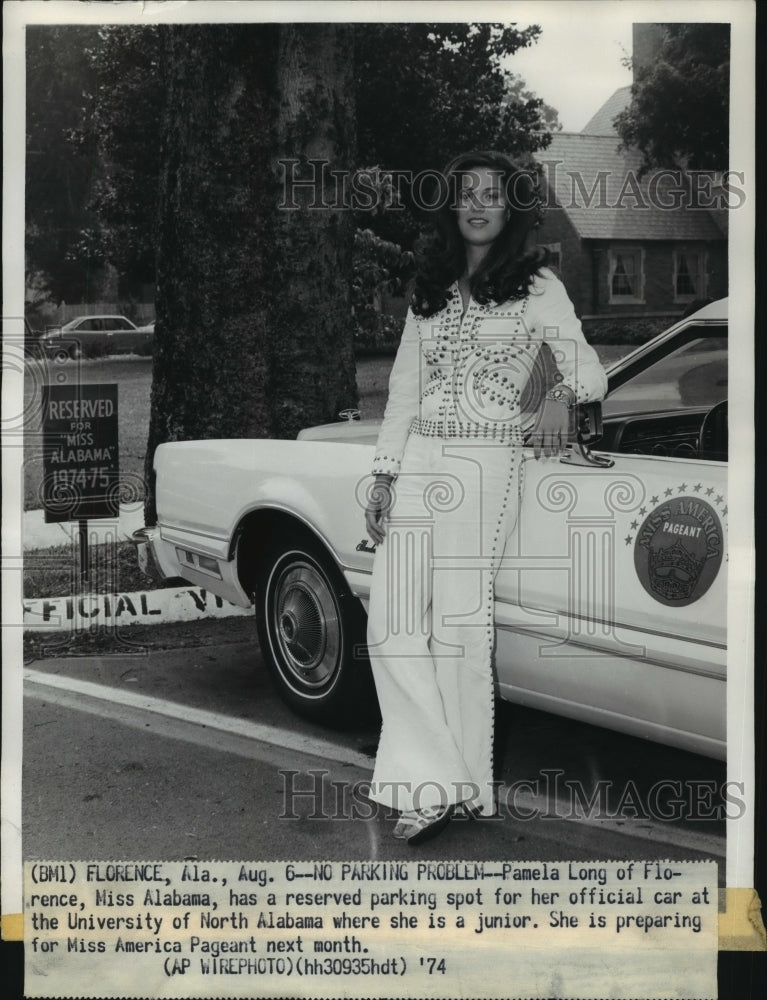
(188, 752)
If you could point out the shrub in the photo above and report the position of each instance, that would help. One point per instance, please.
(633, 330)
(378, 267)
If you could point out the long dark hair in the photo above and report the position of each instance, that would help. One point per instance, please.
(507, 270)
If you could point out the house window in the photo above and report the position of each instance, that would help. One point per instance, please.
(689, 275)
(555, 256)
(627, 275)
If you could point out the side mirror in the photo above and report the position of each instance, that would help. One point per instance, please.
(589, 431)
(589, 422)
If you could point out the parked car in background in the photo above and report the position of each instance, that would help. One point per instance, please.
(93, 336)
(611, 599)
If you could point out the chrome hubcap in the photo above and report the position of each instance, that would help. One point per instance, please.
(306, 625)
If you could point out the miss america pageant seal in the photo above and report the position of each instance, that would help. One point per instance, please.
(678, 550)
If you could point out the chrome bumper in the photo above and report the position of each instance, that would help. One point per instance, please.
(143, 539)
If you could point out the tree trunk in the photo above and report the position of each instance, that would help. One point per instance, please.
(211, 363)
(108, 287)
(313, 373)
(254, 335)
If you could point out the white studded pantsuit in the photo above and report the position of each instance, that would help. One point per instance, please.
(430, 628)
(451, 439)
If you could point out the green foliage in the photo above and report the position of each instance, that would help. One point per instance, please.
(94, 100)
(517, 92)
(679, 111)
(60, 163)
(378, 266)
(383, 338)
(629, 331)
(123, 123)
(426, 92)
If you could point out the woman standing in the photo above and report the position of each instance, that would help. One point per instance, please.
(448, 481)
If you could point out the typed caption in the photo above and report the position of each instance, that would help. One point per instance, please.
(331, 929)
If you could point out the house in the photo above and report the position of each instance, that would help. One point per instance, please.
(628, 246)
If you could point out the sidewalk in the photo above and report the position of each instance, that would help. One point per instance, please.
(36, 534)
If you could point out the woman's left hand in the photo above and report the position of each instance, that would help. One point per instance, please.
(551, 432)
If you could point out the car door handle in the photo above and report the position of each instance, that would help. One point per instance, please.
(579, 454)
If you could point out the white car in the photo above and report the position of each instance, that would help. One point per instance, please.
(611, 601)
(89, 336)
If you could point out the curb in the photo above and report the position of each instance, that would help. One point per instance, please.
(150, 607)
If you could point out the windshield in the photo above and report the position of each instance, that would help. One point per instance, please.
(694, 375)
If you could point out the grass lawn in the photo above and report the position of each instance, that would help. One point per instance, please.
(55, 572)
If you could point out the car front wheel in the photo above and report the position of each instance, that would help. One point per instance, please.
(312, 635)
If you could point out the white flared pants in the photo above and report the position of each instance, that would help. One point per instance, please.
(430, 621)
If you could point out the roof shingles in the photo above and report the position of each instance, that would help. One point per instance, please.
(601, 123)
(598, 186)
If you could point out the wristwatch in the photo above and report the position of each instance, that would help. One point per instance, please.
(562, 394)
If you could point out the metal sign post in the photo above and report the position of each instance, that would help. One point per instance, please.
(83, 537)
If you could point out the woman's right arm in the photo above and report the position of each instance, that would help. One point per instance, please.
(402, 404)
(401, 407)
(379, 502)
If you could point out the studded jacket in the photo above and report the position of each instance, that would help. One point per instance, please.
(479, 375)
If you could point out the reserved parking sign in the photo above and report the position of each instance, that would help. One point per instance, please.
(81, 464)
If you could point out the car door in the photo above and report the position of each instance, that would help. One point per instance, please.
(86, 334)
(114, 336)
(125, 336)
(611, 601)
